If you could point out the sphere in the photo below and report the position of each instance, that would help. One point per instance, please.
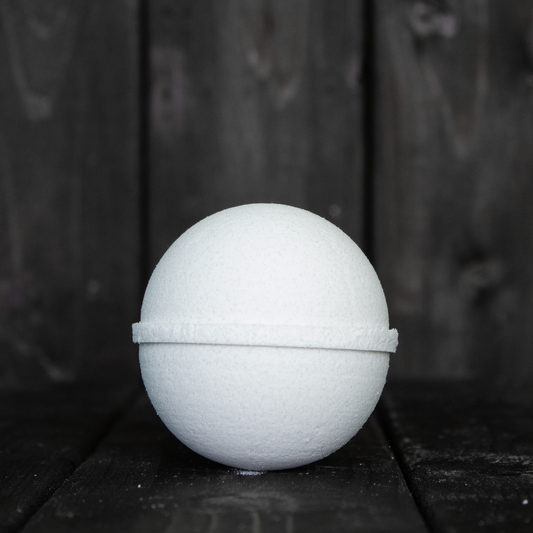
(264, 337)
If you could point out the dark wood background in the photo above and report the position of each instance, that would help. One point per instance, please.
(407, 123)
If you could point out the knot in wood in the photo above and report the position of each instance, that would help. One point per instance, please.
(426, 21)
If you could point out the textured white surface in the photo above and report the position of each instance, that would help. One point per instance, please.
(262, 408)
(301, 336)
(264, 337)
(270, 275)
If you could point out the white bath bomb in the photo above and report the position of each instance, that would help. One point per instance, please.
(264, 337)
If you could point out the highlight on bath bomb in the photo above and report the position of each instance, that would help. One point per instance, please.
(264, 337)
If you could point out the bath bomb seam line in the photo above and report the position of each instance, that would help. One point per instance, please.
(367, 339)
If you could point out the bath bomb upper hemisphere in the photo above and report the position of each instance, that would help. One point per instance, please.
(266, 275)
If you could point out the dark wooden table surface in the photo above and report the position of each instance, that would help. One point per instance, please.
(434, 457)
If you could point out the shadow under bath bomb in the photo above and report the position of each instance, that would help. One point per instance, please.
(264, 337)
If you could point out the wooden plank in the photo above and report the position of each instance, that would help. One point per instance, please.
(336, 164)
(44, 436)
(453, 186)
(142, 479)
(69, 224)
(467, 455)
(254, 102)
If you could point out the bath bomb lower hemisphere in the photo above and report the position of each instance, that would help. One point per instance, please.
(264, 408)
(264, 337)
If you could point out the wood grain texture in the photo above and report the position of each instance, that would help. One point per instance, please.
(142, 479)
(69, 225)
(453, 186)
(44, 436)
(467, 455)
(254, 102)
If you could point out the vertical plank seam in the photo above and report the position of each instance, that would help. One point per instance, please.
(386, 423)
(144, 142)
(368, 118)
